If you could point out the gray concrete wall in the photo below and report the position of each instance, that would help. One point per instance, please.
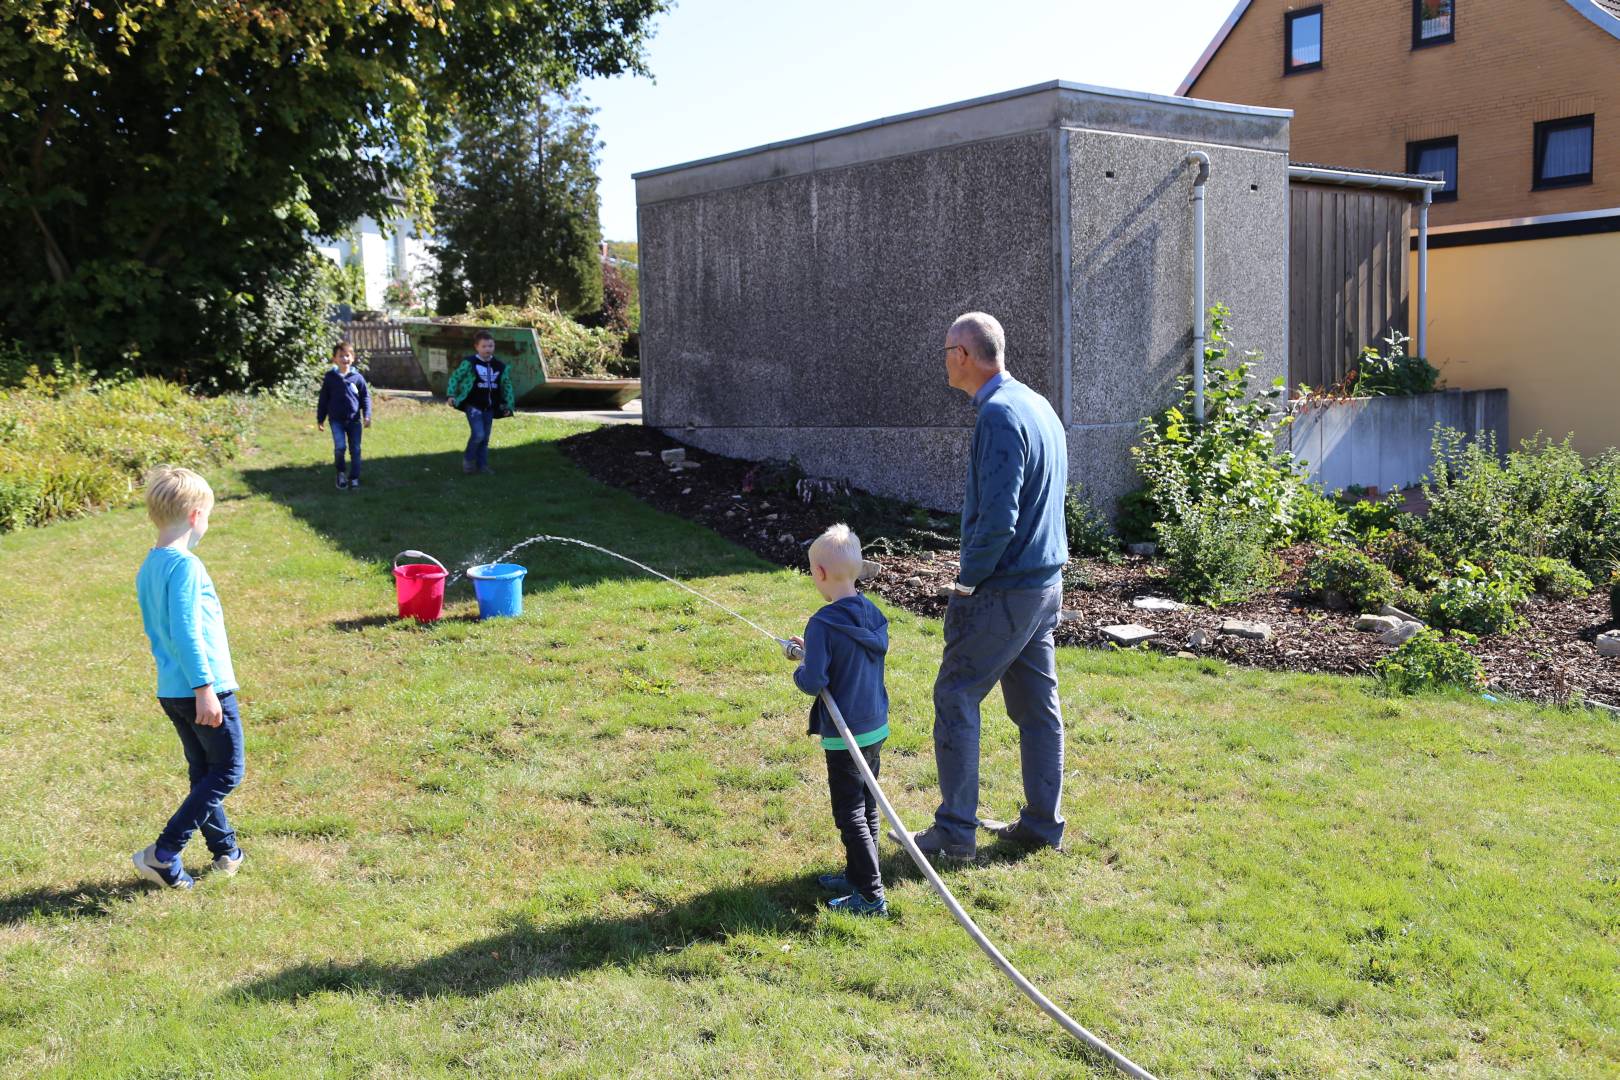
(795, 297)
(1386, 442)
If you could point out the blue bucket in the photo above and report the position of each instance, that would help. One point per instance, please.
(499, 587)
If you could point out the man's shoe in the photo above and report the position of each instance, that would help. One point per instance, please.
(1016, 834)
(856, 904)
(228, 864)
(169, 875)
(930, 843)
(342, 482)
(834, 883)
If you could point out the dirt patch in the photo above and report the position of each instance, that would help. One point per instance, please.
(1552, 659)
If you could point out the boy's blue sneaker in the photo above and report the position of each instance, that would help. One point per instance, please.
(834, 883)
(170, 875)
(342, 482)
(228, 864)
(856, 904)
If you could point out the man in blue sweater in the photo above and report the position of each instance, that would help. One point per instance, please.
(1005, 603)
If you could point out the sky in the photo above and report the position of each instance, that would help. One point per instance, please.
(731, 74)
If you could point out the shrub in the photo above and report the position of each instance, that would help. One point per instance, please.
(1088, 533)
(1218, 557)
(1427, 661)
(1410, 558)
(1477, 601)
(1392, 374)
(1369, 519)
(1317, 518)
(1596, 538)
(1230, 465)
(1556, 579)
(1345, 572)
(69, 446)
(1136, 517)
(1468, 498)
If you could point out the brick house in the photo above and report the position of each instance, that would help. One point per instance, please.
(1517, 104)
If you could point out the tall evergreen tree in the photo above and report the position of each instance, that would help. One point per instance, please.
(518, 208)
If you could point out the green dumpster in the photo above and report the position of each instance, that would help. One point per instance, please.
(439, 347)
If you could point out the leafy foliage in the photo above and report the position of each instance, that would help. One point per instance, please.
(163, 165)
(1347, 574)
(1229, 466)
(1554, 578)
(1478, 601)
(1392, 373)
(1218, 557)
(1317, 518)
(518, 207)
(1409, 557)
(1428, 661)
(69, 446)
(572, 351)
(1088, 532)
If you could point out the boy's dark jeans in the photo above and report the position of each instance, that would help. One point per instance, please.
(476, 456)
(214, 761)
(855, 812)
(346, 433)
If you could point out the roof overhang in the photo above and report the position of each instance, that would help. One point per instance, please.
(1602, 17)
(1215, 46)
(1317, 174)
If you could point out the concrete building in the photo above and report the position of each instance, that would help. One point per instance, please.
(795, 296)
(1517, 104)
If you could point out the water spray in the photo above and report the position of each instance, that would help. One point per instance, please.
(1124, 1064)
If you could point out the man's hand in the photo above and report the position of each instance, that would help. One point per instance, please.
(209, 714)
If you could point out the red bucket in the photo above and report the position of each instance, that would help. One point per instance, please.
(420, 587)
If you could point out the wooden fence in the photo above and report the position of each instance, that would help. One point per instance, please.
(1347, 276)
(384, 353)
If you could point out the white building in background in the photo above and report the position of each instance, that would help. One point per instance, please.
(386, 252)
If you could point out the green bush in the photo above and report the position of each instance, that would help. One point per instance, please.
(1427, 661)
(1137, 517)
(1477, 601)
(571, 351)
(1218, 557)
(1088, 533)
(1369, 519)
(1392, 374)
(1348, 574)
(1410, 558)
(1317, 519)
(1553, 578)
(69, 446)
(1231, 463)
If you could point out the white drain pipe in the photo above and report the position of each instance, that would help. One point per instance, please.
(1201, 159)
(1422, 335)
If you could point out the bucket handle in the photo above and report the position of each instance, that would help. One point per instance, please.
(413, 553)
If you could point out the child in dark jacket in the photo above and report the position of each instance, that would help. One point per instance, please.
(481, 387)
(843, 649)
(346, 401)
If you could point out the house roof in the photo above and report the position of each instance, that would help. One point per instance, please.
(1605, 14)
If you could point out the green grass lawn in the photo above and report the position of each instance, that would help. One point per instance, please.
(582, 843)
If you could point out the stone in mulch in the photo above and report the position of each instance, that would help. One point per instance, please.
(1254, 631)
(1156, 603)
(1068, 615)
(1377, 624)
(1396, 613)
(1609, 644)
(1401, 634)
(1128, 634)
(1200, 639)
(1146, 549)
(672, 455)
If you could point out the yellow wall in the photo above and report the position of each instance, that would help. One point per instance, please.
(1539, 317)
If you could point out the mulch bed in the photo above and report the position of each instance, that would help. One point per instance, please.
(1551, 659)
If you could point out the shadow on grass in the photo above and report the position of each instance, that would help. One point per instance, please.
(423, 501)
(366, 622)
(89, 900)
(527, 952)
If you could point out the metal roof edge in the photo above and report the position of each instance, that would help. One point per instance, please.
(1513, 223)
(1214, 47)
(1604, 19)
(1005, 95)
(1362, 178)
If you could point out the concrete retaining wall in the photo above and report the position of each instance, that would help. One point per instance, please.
(795, 297)
(1385, 442)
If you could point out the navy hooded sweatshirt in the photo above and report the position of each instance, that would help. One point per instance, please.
(844, 646)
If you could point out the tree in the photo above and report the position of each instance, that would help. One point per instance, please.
(518, 208)
(163, 162)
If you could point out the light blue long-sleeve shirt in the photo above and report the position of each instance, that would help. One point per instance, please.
(184, 623)
(1012, 515)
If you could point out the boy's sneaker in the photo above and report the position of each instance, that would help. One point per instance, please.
(856, 904)
(837, 884)
(485, 470)
(170, 876)
(354, 483)
(930, 843)
(228, 864)
(468, 467)
(342, 482)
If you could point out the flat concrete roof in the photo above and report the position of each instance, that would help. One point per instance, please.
(1054, 104)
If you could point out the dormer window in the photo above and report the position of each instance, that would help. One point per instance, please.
(1302, 40)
